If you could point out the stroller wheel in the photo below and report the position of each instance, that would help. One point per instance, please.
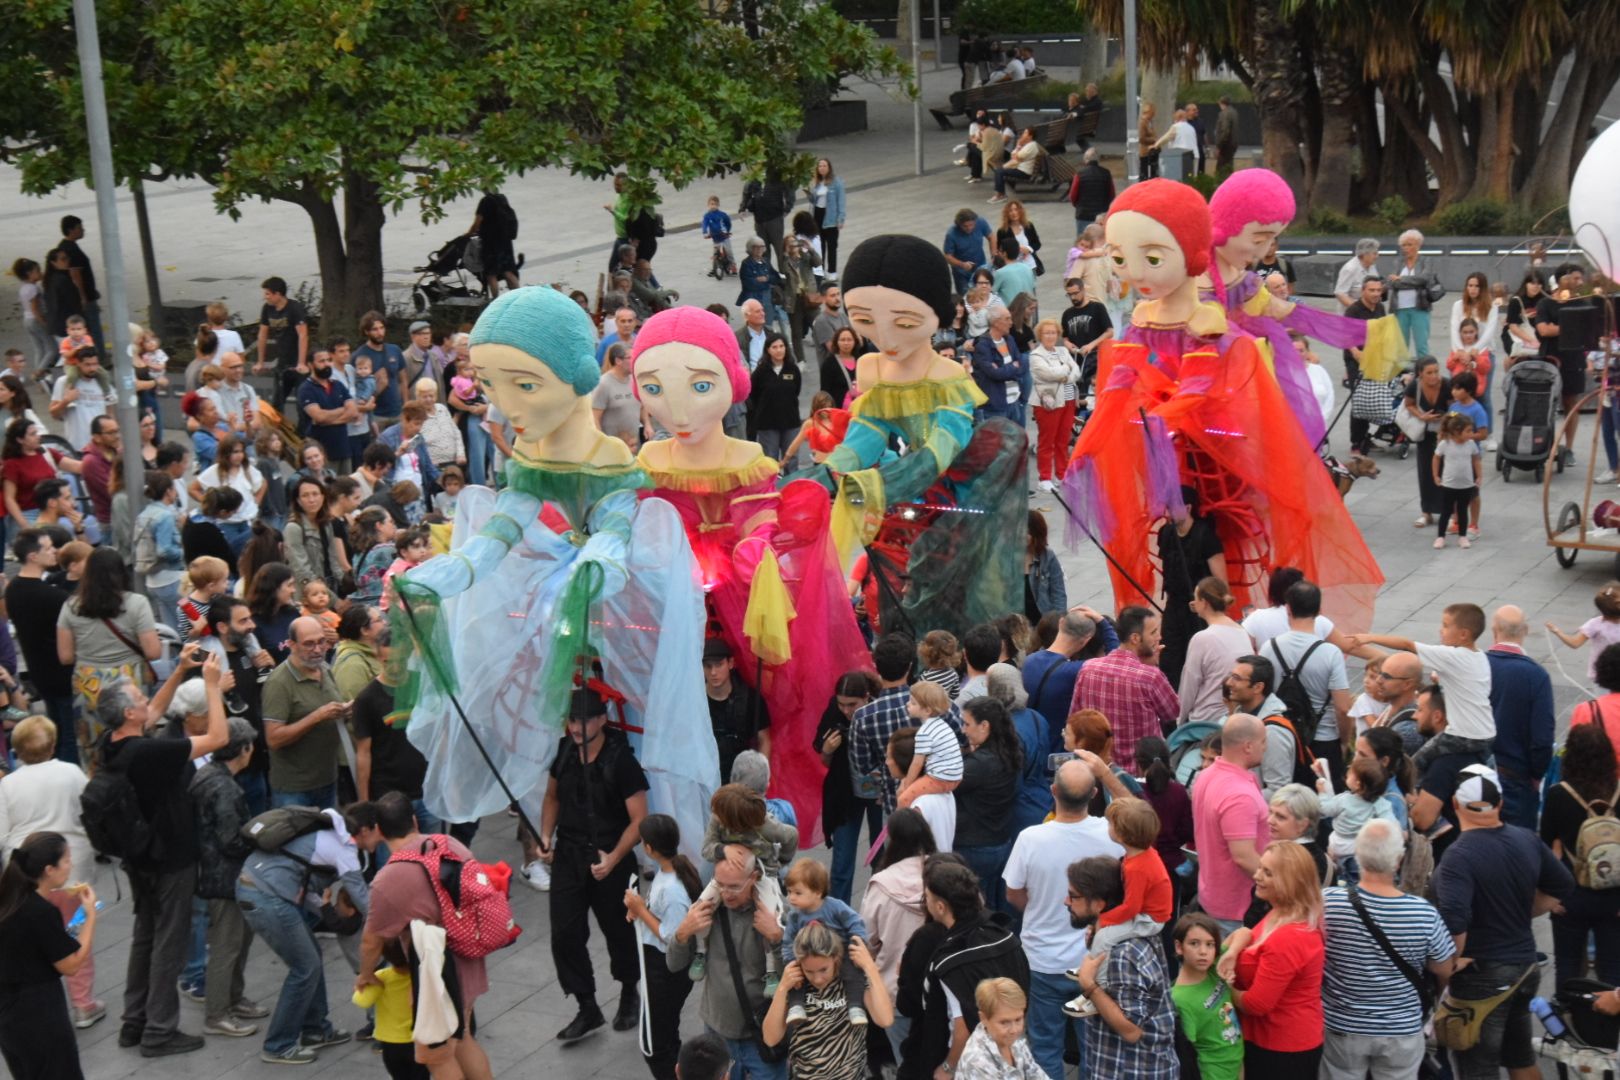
(419, 300)
(1568, 518)
(1405, 451)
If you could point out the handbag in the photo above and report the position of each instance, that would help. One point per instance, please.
(1412, 426)
(1420, 983)
(771, 1054)
(1457, 1021)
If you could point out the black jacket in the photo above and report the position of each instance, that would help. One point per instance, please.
(1031, 237)
(773, 403)
(970, 952)
(1093, 191)
(222, 810)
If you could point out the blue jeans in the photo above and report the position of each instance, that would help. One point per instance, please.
(477, 450)
(1521, 800)
(165, 600)
(846, 847)
(195, 973)
(1414, 324)
(1044, 1021)
(322, 798)
(746, 1064)
(988, 862)
(1607, 419)
(301, 1006)
(63, 712)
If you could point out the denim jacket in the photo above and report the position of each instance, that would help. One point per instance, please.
(165, 526)
(1046, 582)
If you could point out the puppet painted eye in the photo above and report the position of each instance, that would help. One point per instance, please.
(651, 388)
(1155, 260)
(703, 386)
(1119, 261)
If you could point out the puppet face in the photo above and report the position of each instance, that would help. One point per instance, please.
(1145, 254)
(533, 397)
(1251, 243)
(685, 388)
(896, 322)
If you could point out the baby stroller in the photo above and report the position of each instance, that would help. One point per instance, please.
(1533, 390)
(1376, 402)
(1580, 1040)
(447, 274)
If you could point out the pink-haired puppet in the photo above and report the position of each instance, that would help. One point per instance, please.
(1247, 213)
(764, 557)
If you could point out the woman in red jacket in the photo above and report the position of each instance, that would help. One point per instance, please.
(1275, 970)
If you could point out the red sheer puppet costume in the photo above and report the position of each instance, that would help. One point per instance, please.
(764, 557)
(1185, 400)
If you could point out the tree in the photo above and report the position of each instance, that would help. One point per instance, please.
(354, 108)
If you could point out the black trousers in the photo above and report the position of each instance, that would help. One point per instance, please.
(1455, 501)
(829, 242)
(1331, 751)
(666, 996)
(400, 1061)
(575, 895)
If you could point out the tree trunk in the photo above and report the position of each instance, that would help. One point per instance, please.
(902, 28)
(1370, 141)
(1548, 183)
(1453, 159)
(1340, 86)
(1493, 175)
(1279, 81)
(1403, 160)
(349, 252)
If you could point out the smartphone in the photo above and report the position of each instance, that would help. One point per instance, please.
(1055, 760)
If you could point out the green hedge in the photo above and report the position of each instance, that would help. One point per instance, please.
(1005, 17)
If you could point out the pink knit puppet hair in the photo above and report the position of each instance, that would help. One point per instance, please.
(1249, 195)
(694, 326)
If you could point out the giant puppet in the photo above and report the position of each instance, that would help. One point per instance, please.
(769, 574)
(1185, 399)
(939, 501)
(527, 605)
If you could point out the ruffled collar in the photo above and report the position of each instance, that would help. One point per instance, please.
(716, 481)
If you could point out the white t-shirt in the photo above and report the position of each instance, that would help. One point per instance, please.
(1322, 387)
(345, 375)
(229, 341)
(26, 292)
(91, 403)
(940, 813)
(1321, 675)
(1184, 137)
(1263, 624)
(1465, 676)
(247, 480)
(1039, 864)
(936, 739)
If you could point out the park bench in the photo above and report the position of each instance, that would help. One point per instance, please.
(1053, 172)
(990, 96)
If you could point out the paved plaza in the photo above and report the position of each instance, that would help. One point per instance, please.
(204, 256)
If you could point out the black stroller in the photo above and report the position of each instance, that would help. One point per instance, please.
(1533, 391)
(453, 270)
(1580, 1040)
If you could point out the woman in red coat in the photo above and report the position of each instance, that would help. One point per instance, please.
(1275, 970)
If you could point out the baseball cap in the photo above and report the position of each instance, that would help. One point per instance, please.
(1480, 789)
(716, 649)
(421, 324)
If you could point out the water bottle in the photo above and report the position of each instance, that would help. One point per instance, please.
(76, 923)
(1549, 1019)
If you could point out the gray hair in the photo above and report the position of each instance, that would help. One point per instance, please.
(1076, 625)
(112, 701)
(190, 699)
(751, 770)
(239, 736)
(1005, 684)
(1366, 246)
(754, 242)
(1380, 846)
(1090, 156)
(1301, 802)
(1410, 234)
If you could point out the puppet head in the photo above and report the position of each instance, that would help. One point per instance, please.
(535, 356)
(897, 290)
(688, 372)
(1247, 212)
(1158, 236)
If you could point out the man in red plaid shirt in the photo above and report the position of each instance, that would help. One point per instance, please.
(1127, 686)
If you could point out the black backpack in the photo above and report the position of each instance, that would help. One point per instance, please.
(1291, 691)
(1304, 759)
(111, 812)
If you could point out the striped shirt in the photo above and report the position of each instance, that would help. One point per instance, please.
(936, 740)
(945, 678)
(1363, 992)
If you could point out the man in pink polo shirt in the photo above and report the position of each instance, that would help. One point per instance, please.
(1229, 821)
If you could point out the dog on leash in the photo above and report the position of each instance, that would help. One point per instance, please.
(1346, 473)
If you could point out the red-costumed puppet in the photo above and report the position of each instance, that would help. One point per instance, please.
(1183, 399)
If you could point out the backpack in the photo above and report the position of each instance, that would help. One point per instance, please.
(1596, 856)
(273, 829)
(111, 812)
(1292, 693)
(473, 905)
(1304, 759)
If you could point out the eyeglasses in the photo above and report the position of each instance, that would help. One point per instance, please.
(732, 890)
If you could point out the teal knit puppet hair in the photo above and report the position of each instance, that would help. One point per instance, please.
(547, 325)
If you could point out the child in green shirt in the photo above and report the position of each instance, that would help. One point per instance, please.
(1209, 1023)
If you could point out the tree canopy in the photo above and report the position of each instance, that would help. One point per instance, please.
(394, 102)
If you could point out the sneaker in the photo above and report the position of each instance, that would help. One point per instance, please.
(589, 1019)
(996, 199)
(772, 981)
(89, 1015)
(537, 876)
(248, 1009)
(230, 1027)
(1604, 477)
(178, 1043)
(1048, 486)
(1465, 543)
(192, 991)
(335, 1036)
(857, 1016)
(1490, 446)
(367, 1031)
(796, 1015)
(694, 970)
(1567, 456)
(293, 1055)
(1423, 521)
(1079, 1008)
(1440, 542)
(129, 1035)
(629, 1014)
(1473, 532)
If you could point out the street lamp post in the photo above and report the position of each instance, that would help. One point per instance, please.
(1133, 152)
